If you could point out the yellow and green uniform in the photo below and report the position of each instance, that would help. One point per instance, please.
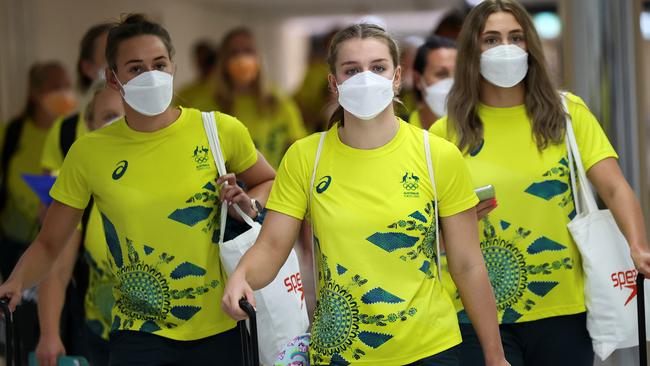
(159, 207)
(272, 131)
(533, 264)
(313, 95)
(380, 301)
(98, 300)
(19, 220)
(414, 118)
(52, 158)
(194, 92)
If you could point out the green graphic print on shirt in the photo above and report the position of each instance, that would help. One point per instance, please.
(99, 296)
(147, 291)
(518, 278)
(343, 331)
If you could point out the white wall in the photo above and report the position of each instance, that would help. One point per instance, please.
(39, 30)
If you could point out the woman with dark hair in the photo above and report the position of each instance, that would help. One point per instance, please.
(152, 179)
(507, 118)
(433, 76)
(272, 118)
(380, 298)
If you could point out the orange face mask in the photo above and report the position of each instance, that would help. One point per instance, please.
(243, 69)
(60, 103)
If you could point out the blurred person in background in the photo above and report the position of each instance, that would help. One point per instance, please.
(313, 95)
(91, 66)
(205, 56)
(92, 299)
(50, 96)
(433, 76)
(272, 118)
(451, 23)
(407, 94)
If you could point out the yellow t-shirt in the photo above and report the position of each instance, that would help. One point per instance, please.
(414, 119)
(380, 302)
(194, 92)
(98, 300)
(313, 95)
(19, 220)
(52, 158)
(273, 131)
(159, 207)
(533, 264)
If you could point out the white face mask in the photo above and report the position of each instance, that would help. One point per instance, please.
(149, 93)
(366, 94)
(504, 65)
(435, 95)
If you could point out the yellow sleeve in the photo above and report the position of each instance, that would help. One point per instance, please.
(238, 149)
(52, 158)
(294, 118)
(453, 181)
(290, 191)
(439, 128)
(71, 187)
(593, 143)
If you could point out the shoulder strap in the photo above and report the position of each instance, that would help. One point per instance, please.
(210, 126)
(9, 147)
(68, 133)
(432, 179)
(321, 142)
(583, 196)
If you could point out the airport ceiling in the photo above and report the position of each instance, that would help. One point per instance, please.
(311, 7)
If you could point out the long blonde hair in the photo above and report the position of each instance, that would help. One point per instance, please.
(362, 31)
(542, 101)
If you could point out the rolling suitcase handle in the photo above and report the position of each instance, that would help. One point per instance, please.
(640, 308)
(251, 356)
(11, 354)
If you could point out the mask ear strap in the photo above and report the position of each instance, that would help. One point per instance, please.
(118, 81)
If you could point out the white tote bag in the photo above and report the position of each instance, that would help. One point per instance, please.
(281, 307)
(609, 273)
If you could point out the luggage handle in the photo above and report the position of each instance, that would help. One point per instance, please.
(9, 333)
(640, 308)
(250, 355)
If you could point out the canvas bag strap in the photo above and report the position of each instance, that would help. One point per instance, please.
(427, 153)
(582, 195)
(321, 142)
(210, 126)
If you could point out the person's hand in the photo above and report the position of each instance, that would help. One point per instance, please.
(485, 207)
(641, 259)
(232, 193)
(49, 348)
(236, 289)
(12, 291)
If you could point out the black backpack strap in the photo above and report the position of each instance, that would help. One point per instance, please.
(68, 133)
(10, 145)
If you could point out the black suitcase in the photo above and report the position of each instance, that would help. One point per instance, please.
(12, 350)
(250, 354)
(640, 308)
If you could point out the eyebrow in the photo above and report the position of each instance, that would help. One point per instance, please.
(499, 33)
(139, 60)
(355, 62)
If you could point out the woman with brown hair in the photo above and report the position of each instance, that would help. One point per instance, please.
(507, 118)
(366, 186)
